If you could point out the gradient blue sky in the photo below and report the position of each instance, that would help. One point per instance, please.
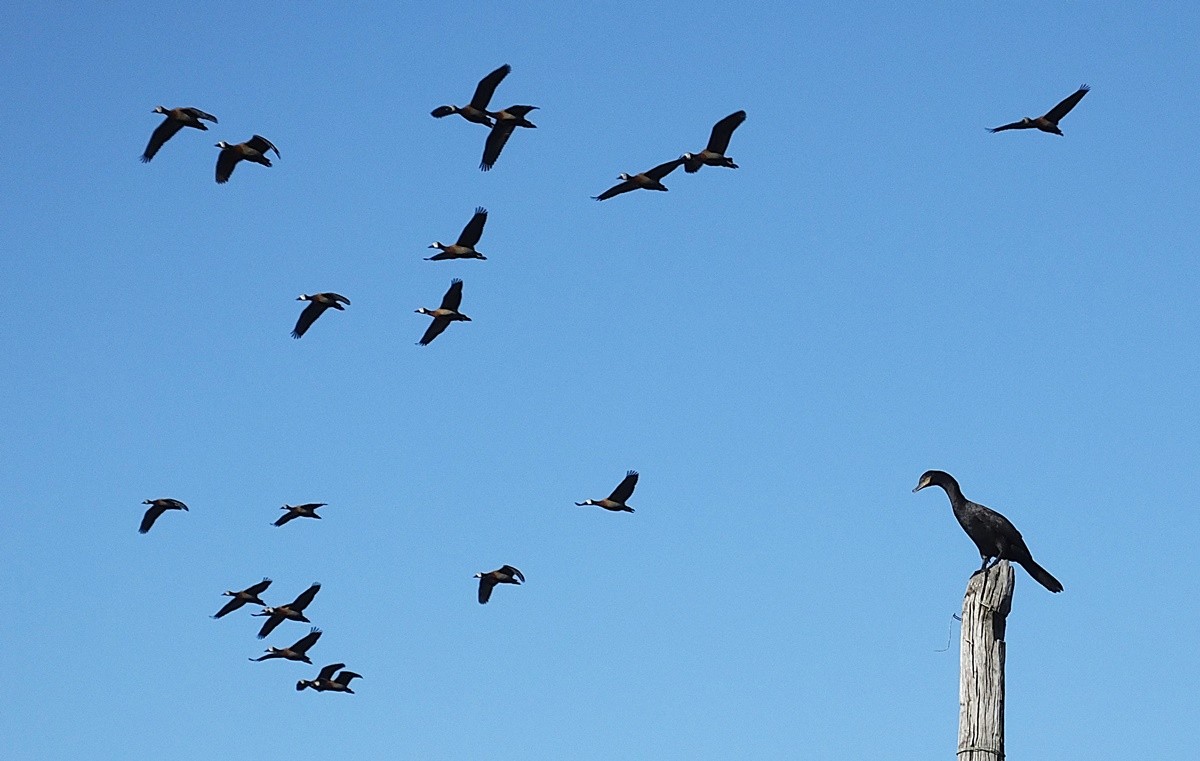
(882, 288)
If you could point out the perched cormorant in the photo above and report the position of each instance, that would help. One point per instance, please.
(616, 500)
(157, 508)
(295, 652)
(718, 142)
(476, 111)
(325, 681)
(317, 304)
(177, 119)
(308, 510)
(506, 121)
(255, 149)
(994, 535)
(505, 574)
(247, 595)
(1049, 122)
(651, 179)
(464, 247)
(445, 314)
(293, 611)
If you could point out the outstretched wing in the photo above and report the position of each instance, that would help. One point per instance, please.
(1064, 107)
(513, 571)
(474, 229)
(196, 113)
(304, 643)
(662, 170)
(257, 589)
(301, 602)
(290, 515)
(616, 190)
(487, 86)
(227, 159)
(269, 626)
(310, 314)
(330, 670)
(338, 297)
(150, 517)
(486, 585)
(453, 298)
(434, 330)
(718, 141)
(162, 133)
(345, 677)
(496, 140)
(230, 607)
(1014, 125)
(624, 489)
(262, 145)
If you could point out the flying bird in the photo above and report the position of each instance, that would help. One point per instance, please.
(255, 149)
(994, 535)
(293, 611)
(616, 500)
(325, 681)
(651, 179)
(506, 121)
(295, 652)
(464, 247)
(177, 119)
(476, 111)
(445, 314)
(157, 508)
(718, 142)
(308, 510)
(1049, 122)
(505, 574)
(248, 595)
(317, 304)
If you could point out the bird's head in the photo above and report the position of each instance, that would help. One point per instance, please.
(478, 255)
(933, 478)
(688, 156)
(623, 176)
(304, 297)
(266, 611)
(422, 310)
(477, 576)
(585, 502)
(222, 145)
(147, 502)
(436, 244)
(1027, 120)
(302, 684)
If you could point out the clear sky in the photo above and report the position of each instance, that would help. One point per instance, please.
(882, 287)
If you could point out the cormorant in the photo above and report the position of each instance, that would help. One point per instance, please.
(325, 681)
(506, 122)
(294, 611)
(464, 247)
(476, 111)
(445, 314)
(718, 142)
(317, 304)
(247, 595)
(177, 119)
(505, 574)
(651, 179)
(157, 508)
(295, 652)
(308, 510)
(255, 149)
(616, 500)
(1049, 122)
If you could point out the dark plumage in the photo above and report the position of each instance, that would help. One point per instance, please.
(476, 111)
(1048, 122)
(445, 314)
(295, 652)
(293, 611)
(317, 304)
(325, 681)
(255, 149)
(157, 508)
(177, 119)
(651, 179)
(718, 142)
(616, 500)
(994, 535)
(505, 574)
(464, 247)
(248, 595)
(506, 121)
(308, 510)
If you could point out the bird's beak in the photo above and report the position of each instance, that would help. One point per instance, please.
(918, 488)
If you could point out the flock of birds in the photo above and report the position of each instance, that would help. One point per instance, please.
(994, 535)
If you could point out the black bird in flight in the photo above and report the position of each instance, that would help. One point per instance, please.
(476, 111)
(293, 611)
(718, 142)
(651, 179)
(445, 314)
(295, 652)
(505, 574)
(248, 595)
(464, 247)
(506, 121)
(1049, 122)
(177, 119)
(308, 510)
(994, 535)
(317, 304)
(616, 500)
(157, 508)
(255, 149)
(325, 681)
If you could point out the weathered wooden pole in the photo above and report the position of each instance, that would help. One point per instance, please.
(981, 668)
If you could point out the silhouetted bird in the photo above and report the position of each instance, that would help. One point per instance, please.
(718, 142)
(157, 508)
(293, 611)
(464, 247)
(248, 595)
(651, 179)
(994, 535)
(294, 652)
(505, 574)
(616, 500)
(1049, 122)
(506, 121)
(476, 111)
(317, 304)
(177, 119)
(325, 682)
(308, 510)
(255, 149)
(445, 314)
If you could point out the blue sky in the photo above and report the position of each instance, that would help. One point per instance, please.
(781, 350)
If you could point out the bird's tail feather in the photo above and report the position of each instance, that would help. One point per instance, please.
(1042, 576)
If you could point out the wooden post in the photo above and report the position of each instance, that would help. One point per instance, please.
(981, 669)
